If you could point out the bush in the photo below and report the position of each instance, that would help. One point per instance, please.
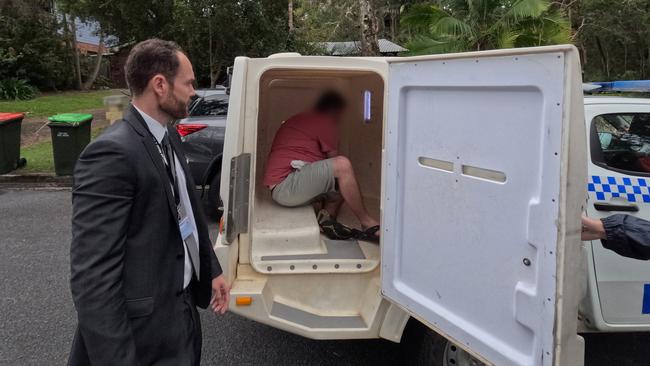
(32, 47)
(16, 89)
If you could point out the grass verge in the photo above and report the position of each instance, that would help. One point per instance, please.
(49, 104)
(39, 156)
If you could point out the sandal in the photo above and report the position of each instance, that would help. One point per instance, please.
(369, 234)
(333, 229)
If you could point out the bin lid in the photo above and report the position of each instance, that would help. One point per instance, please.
(6, 117)
(70, 118)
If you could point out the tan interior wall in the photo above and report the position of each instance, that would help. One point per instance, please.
(284, 93)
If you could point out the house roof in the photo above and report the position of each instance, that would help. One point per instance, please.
(87, 32)
(354, 47)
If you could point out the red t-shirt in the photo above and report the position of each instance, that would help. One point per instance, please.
(307, 136)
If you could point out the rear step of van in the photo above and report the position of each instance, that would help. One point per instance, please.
(336, 249)
(354, 312)
(314, 321)
(338, 256)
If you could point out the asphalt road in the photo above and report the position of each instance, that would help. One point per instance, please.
(37, 318)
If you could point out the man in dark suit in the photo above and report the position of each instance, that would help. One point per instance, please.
(141, 259)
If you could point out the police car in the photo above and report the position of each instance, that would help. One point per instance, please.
(618, 295)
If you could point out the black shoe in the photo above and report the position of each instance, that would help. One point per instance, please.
(369, 234)
(333, 229)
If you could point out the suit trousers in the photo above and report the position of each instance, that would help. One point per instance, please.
(193, 338)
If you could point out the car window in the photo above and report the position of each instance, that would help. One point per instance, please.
(621, 142)
(210, 107)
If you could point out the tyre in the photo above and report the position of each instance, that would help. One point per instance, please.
(214, 207)
(422, 346)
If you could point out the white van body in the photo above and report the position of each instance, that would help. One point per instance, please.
(618, 288)
(476, 164)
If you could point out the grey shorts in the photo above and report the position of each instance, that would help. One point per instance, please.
(305, 185)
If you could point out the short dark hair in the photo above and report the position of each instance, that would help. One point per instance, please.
(330, 101)
(148, 58)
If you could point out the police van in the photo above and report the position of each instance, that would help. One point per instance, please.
(476, 164)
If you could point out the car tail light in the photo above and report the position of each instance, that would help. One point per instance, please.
(186, 129)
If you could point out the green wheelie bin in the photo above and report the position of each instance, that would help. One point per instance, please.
(10, 124)
(70, 135)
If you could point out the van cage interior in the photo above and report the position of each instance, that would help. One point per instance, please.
(288, 240)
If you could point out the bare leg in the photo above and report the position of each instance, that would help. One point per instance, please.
(349, 189)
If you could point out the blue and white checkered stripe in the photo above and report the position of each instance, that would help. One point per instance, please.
(632, 189)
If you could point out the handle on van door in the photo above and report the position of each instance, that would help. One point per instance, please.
(605, 206)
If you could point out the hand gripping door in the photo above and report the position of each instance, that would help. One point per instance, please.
(475, 193)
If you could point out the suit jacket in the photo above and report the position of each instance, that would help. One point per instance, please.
(127, 256)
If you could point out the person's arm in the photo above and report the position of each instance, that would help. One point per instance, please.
(626, 235)
(102, 197)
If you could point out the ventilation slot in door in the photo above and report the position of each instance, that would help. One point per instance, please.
(485, 174)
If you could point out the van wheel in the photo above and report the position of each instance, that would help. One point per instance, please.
(456, 356)
(214, 205)
(422, 346)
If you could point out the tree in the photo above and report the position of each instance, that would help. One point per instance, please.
(466, 25)
(211, 32)
(73, 11)
(290, 14)
(369, 29)
(90, 81)
(327, 21)
(31, 48)
(613, 38)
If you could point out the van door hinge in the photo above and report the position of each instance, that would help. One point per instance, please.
(237, 215)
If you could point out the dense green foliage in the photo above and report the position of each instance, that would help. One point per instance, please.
(31, 48)
(612, 36)
(212, 32)
(16, 89)
(474, 25)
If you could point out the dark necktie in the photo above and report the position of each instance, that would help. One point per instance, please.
(190, 241)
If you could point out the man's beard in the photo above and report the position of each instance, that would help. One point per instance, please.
(174, 107)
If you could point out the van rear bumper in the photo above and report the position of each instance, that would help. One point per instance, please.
(275, 309)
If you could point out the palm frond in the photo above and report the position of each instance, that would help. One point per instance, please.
(522, 9)
(420, 16)
(425, 46)
(507, 39)
(449, 25)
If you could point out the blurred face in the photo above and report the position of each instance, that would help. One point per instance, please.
(174, 96)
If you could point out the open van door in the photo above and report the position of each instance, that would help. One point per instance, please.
(484, 182)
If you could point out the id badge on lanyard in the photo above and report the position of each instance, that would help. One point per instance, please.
(186, 228)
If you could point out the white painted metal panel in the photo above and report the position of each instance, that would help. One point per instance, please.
(472, 174)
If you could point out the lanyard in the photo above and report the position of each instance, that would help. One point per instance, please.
(170, 167)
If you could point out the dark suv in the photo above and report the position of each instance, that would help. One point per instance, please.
(202, 135)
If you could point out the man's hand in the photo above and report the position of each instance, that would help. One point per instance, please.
(220, 295)
(592, 229)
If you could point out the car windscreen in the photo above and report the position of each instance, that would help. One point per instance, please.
(210, 107)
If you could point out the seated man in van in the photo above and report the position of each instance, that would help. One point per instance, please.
(304, 167)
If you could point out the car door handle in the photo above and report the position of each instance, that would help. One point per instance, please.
(606, 206)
